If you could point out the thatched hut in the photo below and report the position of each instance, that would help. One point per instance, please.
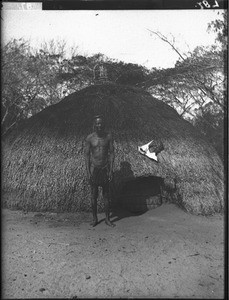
(43, 159)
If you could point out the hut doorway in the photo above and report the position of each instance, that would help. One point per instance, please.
(141, 194)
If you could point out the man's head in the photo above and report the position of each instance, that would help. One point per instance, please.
(98, 124)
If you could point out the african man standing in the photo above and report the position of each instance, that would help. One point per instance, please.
(99, 155)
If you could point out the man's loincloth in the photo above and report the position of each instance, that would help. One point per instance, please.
(100, 176)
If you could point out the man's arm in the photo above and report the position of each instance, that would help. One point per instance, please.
(111, 156)
(87, 156)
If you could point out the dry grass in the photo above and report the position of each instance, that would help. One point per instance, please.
(43, 161)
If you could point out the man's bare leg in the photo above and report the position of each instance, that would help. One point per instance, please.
(94, 196)
(107, 206)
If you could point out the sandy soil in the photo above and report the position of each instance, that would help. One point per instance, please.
(164, 253)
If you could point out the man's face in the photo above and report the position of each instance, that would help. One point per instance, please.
(99, 124)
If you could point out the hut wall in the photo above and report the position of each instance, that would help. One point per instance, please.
(43, 159)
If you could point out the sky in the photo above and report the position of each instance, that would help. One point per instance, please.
(119, 34)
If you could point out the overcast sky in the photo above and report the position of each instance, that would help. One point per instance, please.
(119, 34)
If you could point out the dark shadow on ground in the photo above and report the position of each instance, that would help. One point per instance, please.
(118, 214)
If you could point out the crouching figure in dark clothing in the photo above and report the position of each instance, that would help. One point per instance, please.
(99, 156)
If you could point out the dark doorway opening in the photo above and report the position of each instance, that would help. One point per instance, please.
(141, 194)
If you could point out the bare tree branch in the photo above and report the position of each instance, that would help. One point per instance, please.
(163, 38)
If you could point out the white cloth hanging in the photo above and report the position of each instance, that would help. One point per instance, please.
(144, 150)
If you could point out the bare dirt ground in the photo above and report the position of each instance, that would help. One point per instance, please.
(163, 253)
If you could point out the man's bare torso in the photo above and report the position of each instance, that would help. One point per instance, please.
(99, 149)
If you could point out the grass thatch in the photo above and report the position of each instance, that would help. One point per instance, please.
(43, 160)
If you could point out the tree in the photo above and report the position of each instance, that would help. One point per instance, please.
(197, 78)
(16, 83)
(197, 86)
(215, 134)
(26, 76)
(220, 27)
(36, 78)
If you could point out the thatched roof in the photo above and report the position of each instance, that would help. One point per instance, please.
(43, 159)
